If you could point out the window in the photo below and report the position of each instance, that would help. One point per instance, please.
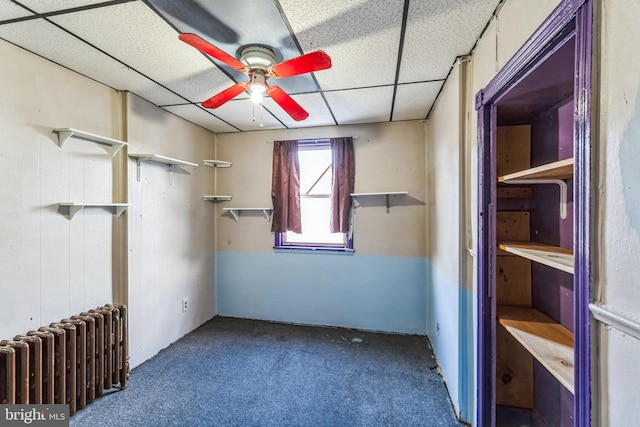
(316, 182)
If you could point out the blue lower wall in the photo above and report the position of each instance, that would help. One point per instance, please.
(370, 292)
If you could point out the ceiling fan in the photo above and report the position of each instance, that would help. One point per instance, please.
(259, 63)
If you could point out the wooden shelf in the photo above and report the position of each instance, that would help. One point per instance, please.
(69, 209)
(217, 163)
(159, 159)
(549, 342)
(562, 169)
(235, 212)
(552, 256)
(65, 133)
(217, 198)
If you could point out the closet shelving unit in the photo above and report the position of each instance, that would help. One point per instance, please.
(217, 197)
(525, 268)
(156, 158)
(534, 222)
(70, 209)
(549, 342)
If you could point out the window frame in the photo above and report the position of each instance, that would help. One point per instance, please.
(280, 242)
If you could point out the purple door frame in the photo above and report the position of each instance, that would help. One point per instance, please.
(567, 12)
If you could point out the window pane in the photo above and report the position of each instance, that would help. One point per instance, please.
(315, 224)
(315, 165)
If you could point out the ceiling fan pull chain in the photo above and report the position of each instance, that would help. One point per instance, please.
(261, 125)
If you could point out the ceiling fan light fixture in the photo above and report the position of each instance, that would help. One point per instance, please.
(258, 86)
(256, 97)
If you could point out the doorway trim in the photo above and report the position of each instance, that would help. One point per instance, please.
(568, 11)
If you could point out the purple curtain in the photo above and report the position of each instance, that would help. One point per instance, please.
(285, 188)
(344, 178)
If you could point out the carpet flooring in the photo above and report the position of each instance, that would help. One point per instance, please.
(236, 372)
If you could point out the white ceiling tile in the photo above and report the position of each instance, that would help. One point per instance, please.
(361, 105)
(197, 115)
(240, 113)
(361, 37)
(313, 103)
(134, 34)
(10, 10)
(437, 32)
(45, 39)
(413, 101)
(44, 6)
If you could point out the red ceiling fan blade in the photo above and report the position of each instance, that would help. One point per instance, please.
(226, 95)
(206, 47)
(314, 61)
(287, 103)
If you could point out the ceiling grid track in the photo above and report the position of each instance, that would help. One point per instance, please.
(45, 16)
(59, 12)
(403, 29)
(295, 40)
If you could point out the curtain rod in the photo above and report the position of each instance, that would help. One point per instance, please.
(319, 139)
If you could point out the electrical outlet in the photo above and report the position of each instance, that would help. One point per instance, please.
(185, 305)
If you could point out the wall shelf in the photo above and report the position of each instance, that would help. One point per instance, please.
(216, 198)
(65, 133)
(552, 256)
(69, 209)
(380, 193)
(562, 169)
(548, 341)
(235, 212)
(159, 159)
(217, 163)
(551, 173)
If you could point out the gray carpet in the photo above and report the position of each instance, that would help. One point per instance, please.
(235, 372)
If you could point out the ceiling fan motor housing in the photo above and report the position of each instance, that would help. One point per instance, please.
(258, 57)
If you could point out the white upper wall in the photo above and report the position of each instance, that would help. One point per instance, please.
(171, 239)
(52, 267)
(389, 157)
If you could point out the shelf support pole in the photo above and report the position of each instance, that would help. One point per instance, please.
(170, 174)
(387, 198)
(559, 182)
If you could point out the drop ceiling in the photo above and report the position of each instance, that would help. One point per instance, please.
(390, 57)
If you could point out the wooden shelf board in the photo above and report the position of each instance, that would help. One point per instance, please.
(217, 163)
(552, 256)
(161, 159)
(549, 342)
(562, 169)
